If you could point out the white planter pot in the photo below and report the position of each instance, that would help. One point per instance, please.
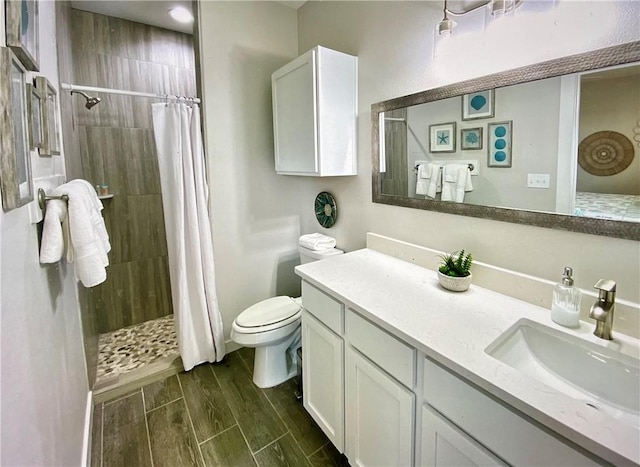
(455, 284)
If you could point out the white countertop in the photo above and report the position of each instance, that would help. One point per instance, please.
(455, 328)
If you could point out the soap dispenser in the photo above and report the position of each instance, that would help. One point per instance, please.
(565, 307)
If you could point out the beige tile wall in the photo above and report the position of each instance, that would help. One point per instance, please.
(116, 147)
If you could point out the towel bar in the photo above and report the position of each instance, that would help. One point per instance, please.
(470, 166)
(43, 198)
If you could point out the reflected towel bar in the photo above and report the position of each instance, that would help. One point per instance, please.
(471, 167)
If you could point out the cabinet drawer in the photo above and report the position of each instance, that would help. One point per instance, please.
(392, 355)
(328, 310)
(504, 432)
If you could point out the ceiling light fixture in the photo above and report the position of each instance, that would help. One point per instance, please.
(498, 8)
(181, 14)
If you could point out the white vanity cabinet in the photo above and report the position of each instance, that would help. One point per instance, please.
(381, 401)
(486, 428)
(314, 114)
(444, 444)
(323, 362)
(379, 406)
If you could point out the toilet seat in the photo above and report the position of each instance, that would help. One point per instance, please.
(267, 315)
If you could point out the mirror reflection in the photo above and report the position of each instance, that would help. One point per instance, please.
(567, 145)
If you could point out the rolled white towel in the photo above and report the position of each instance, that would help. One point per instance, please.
(317, 242)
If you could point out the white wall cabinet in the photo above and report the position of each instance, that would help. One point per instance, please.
(314, 114)
(379, 415)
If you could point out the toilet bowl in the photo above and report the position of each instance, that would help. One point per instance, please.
(272, 327)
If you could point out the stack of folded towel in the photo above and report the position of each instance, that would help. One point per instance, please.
(317, 242)
(77, 227)
(429, 181)
(456, 180)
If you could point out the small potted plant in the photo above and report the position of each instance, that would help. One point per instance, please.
(454, 272)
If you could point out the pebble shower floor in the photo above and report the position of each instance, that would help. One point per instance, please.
(133, 347)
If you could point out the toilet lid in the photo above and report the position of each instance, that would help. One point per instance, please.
(267, 312)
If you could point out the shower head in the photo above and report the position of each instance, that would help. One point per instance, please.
(91, 101)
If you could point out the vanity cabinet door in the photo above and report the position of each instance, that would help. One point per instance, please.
(443, 444)
(380, 415)
(323, 378)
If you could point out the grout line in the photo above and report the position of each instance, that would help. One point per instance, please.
(319, 449)
(146, 424)
(269, 444)
(121, 397)
(218, 434)
(163, 405)
(193, 430)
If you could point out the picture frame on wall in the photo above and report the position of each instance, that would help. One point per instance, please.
(22, 36)
(34, 112)
(499, 142)
(442, 137)
(478, 105)
(50, 145)
(471, 138)
(15, 158)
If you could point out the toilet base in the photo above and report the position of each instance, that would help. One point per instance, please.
(272, 364)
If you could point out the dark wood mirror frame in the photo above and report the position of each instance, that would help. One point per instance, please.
(601, 58)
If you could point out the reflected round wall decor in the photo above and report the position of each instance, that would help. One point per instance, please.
(326, 209)
(605, 153)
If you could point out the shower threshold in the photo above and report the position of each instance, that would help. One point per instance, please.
(136, 355)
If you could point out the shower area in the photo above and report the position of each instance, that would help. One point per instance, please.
(127, 320)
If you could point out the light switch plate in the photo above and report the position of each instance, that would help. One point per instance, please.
(538, 180)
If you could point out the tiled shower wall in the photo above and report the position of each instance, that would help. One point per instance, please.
(116, 147)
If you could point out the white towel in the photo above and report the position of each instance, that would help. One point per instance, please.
(317, 242)
(422, 182)
(87, 241)
(457, 180)
(54, 240)
(435, 181)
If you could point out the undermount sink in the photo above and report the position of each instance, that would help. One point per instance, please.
(598, 375)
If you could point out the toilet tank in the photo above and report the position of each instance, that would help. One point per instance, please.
(307, 255)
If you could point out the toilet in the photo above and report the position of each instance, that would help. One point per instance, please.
(272, 327)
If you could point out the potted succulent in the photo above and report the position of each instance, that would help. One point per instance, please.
(454, 272)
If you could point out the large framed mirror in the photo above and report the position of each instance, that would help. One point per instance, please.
(555, 144)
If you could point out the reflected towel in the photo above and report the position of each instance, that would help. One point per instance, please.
(317, 242)
(435, 181)
(457, 180)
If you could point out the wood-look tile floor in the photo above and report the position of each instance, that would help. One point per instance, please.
(211, 416)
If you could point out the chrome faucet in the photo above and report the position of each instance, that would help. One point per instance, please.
(602, 310)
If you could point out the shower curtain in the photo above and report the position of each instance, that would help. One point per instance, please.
(178, 138)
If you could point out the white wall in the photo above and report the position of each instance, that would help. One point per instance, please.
(255, 213)
(43, 392)
(394, 43)
(534, 110)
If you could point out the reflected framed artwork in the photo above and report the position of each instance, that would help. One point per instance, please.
(471, 138)
(499, 142)
(22, 31)
(15, 158)
(442, 137)
(478, 105)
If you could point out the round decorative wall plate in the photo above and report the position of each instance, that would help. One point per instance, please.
(326, 209)
(605, 153)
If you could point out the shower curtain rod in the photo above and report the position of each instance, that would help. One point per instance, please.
(73, 87)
